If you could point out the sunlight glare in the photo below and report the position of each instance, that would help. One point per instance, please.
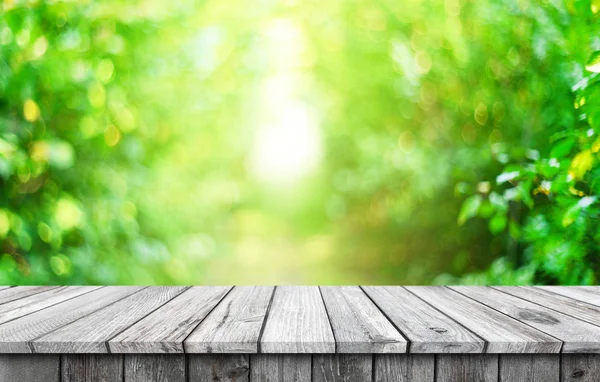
(287, 144)
(286, 151)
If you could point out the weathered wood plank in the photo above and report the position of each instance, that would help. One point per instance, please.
(154, 367)
(502, 333)
(529, 368)
(24, 306)
(91, 367)
(234, 325)
(404, 367)
(578, 336)
(91, 333)
(467, 367)
(280, 367)
(29, 368)
(580, 367)
(589, 294)
(15, 293)
(342, 367)
(578, 309)
(219, 367)
(358, 325)
(427, 329)
(164, 330)
(16, 335)
(297, 322)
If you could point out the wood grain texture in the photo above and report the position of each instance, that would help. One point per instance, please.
(280, 367)
(24, 306)
(428, 330)
(358, 325)
(18, 292)
(219, 367)
(16, 335)
(234, 325)
(578, 336)
(297, 323)
(502, 333)
(580, 367)
(576, 308)
(164, 330)
(466, 368)
(589, 294)
(154, 367)
(529, 368)
(29, 368)
(342, 367)
(91, 368)
(404, 367)
(91, 333)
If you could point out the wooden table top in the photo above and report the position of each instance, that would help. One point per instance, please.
(299, 319)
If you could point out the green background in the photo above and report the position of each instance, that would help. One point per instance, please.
(299, 142)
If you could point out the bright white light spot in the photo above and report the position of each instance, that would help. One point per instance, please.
(287, 145)
(288, 149)
(586, 201)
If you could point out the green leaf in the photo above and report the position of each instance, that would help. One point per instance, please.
(562, 148)
(593, 64)
(486, 209)
(469, 208)
(573, 212)
(571, 215)
(498, 223)
(525, 193)
(514, 230)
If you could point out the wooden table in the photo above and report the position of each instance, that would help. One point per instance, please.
(299, 333)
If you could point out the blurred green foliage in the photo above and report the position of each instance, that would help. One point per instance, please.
(423, 141)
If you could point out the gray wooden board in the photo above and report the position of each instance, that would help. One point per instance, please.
(164, 330)
(219, 367)
(580, 367)
(91, 333)
(358, 325)
(578, 309)
(21, 307)
(280, 367)
(300, 319)
(299, 367)
(234, 325)
(297, 322)
(428, 330)
(588, 294)
(529, 368)
(502, 333)
(16, 335)
(342, 367)
(466, 367)
(154, 367)
(15, 293)
(91, 368)
(578, 336)
(404, 367)
(29, 368)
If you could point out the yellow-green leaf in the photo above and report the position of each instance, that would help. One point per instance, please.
(581, 164)
(593, 64)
